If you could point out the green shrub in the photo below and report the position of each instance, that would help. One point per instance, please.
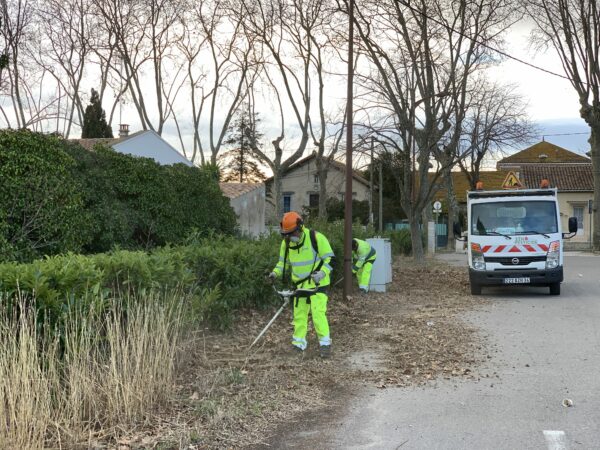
(401, 241)
(41, 209)
(135, 203)
(219, 274)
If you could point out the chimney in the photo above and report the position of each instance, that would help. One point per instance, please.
(123, 130)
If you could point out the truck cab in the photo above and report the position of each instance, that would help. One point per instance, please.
(515, 238)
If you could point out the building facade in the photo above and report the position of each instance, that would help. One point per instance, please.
(570, 173)
(301, 186)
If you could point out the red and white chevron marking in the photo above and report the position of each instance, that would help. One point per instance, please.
(526, 248)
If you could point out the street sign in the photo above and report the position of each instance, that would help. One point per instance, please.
(512, 181)
(437, 206)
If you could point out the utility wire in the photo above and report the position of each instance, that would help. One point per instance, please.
(564, 134)
(494, 49)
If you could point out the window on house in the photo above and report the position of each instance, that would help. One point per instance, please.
(287, 203)
(578, 212)
(313, 200)
(316, 178)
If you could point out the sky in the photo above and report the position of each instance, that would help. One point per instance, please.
(552, 101)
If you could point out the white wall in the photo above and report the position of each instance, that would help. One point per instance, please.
(150, 145)
(250, 211)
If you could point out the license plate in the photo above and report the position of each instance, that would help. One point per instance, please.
(517, 280)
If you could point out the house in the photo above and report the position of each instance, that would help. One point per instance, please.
(248, 202)
(143, 143)
(300, 186)
(569, 172)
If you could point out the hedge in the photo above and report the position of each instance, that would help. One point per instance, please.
(136, 203)
(41, 208)
(233, 270)
(56, 197)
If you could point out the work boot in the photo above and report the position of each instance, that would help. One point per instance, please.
(325, 351)
(298, 350)
(363, 291)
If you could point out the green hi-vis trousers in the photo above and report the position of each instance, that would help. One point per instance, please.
(364, 275)
(318, 309)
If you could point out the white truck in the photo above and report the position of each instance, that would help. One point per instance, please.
(515, 238)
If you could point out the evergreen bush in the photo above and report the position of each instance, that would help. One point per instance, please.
(41, 208)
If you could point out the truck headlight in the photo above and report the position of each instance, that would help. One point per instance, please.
(553, 255)
(477, 260)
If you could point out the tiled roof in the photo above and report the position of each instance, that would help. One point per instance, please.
(492, 180)
(234, 190)
(90, 143)
(564, 177)
(553, 155)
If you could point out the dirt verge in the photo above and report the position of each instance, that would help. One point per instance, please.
(229, 398)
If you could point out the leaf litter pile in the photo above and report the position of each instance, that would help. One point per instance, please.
(229, 397)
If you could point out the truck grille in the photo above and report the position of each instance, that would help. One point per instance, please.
(508, 260)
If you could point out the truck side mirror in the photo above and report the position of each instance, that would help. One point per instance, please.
(457, 230)
(572, 224)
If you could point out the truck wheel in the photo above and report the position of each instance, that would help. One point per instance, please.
(555, 289)
(475, 289)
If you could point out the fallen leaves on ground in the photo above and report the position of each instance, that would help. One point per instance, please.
(229, 397)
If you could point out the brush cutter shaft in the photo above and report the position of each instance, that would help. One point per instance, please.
(287, 294)
(287, 300)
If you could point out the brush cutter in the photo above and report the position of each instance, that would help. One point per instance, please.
(286, 295)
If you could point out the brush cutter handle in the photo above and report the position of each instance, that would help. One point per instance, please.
(297, 293)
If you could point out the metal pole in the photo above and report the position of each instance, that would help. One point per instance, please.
(380, 197)
(349, 133)
(371, 184)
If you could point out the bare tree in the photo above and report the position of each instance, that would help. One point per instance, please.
(572, 27)
(66, 50)
(423, 54)
(221, 67)
(496, 120)
(17, 19)
(289, 33)
(145, 33)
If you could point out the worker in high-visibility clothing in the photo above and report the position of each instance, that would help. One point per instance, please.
(308, 255)
(363, 257)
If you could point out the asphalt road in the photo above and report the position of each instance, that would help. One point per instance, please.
(544, 350)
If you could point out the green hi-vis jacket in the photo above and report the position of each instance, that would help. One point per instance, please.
(363, 254)
(303, 260)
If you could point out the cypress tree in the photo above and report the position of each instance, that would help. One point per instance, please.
(94, 120)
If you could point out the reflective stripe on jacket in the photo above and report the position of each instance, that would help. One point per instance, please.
(363, 254)
(302, 259)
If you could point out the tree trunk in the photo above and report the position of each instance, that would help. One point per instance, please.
(322, 167)
(595, 151)
(277, 198)
(452, 206)
(415, 237)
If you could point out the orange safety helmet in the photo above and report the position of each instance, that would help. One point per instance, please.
(291, 222)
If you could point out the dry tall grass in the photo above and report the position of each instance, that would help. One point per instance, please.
(25, 400)
(103, 373)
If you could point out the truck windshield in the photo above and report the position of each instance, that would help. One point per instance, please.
(510, 218)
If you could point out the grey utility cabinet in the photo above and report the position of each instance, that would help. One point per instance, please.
(381, 274)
